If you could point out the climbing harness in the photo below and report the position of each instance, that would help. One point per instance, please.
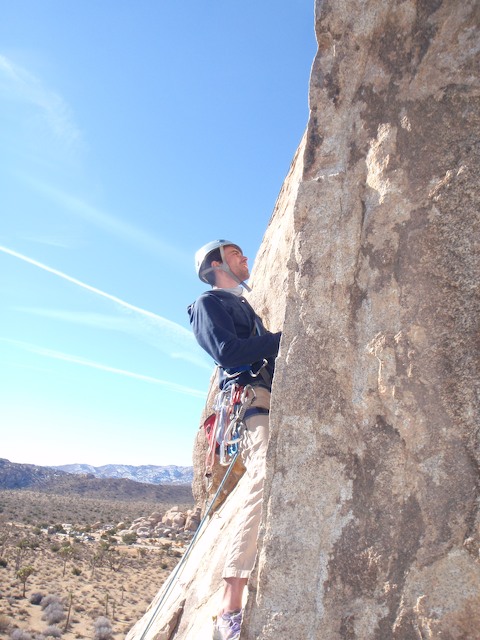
(180, 565)
(247, 367)
(224, 428)
(261, 371)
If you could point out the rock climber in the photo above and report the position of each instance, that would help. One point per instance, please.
(229, 330)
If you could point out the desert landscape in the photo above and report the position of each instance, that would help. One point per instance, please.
(73, 566)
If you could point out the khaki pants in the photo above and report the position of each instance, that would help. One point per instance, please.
(242, 547)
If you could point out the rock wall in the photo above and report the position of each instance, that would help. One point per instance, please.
(376, 390)
(370, 263)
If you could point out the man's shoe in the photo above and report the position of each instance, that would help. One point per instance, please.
(227, 627)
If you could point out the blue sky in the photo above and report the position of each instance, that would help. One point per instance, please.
(131, 134)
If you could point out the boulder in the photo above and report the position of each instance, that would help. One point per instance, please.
(179, 521)
(193, 519)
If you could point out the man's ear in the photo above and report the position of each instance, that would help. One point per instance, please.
(216, 263)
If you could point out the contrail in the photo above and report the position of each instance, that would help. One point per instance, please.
(99, 292)
(180, 343)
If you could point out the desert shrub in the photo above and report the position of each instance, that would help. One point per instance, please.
(58, 528)
(3, 562)
(103, 629)
(76, 571)
(49, 599)
(28, 543)
(20, 634)
(4, 624)
(36, 598)
(129, 538)
(52, 632)
(53, 613)
(55, 547)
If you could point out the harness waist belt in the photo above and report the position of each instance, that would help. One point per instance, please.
(233, 372)
(253, 411)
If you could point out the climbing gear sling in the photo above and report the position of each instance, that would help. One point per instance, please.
(224, 428)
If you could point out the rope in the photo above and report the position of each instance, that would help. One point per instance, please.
(189, 549)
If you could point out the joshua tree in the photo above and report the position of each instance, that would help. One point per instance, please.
(21, 549)
(23, 575)
(5, 534)
(70, 601)
(66, 553)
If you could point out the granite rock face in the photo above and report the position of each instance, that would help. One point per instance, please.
(370, 264)
(376, 392)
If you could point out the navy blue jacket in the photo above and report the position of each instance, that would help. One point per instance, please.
(227, 327)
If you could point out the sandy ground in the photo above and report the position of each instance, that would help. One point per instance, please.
(93, 578)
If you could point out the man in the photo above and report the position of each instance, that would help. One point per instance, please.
(227, 327)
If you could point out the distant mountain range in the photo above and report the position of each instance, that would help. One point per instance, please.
(57, 481)
(15, 475)
(150, 474)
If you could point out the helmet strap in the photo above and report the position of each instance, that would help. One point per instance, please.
(224, 267)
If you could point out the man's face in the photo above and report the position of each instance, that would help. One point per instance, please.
(237, 262)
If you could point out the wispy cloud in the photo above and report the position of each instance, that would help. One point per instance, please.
(19, 84)
(67, 357)
(90, 319)
(50, 241)
(106, 221)
(162, 333)
(48, 107)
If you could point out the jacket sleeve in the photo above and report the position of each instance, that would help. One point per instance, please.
(215, 332)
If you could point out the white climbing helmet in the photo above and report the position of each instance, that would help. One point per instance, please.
(201, 258)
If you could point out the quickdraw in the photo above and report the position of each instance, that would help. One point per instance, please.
(224, 428)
